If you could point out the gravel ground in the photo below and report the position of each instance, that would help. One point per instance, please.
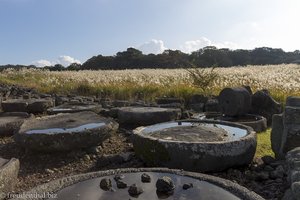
(263, 177)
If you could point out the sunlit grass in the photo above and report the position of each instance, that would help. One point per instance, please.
(264, 144)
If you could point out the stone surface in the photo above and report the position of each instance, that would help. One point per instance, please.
(11, 122)
(185, 153)
(293, 101)
(145, 178)
(75, 107)
(9, 170)
(212, 105)
(135, 190)
(140, 116)
(263, 104)
(235, 101)
(105, 184)
(64, 132)
(277, 135)
(165, 185)
(27, 105)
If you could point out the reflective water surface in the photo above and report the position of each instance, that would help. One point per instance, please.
(65, 130)
(232, 133)
(90, 190)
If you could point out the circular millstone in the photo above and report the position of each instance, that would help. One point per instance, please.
(11, 122)
(195, 145)
(257, 122)
(140, 116)
(86, 186)
(74, 107)
(9, 170)
(27, 105)
(63, 132)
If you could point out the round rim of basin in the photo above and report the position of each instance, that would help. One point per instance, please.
(257, 122)
(145, 109)
(250, 132)
(59, 184)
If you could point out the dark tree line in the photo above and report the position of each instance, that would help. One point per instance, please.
(206, 57)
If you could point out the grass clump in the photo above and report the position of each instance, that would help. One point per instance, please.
(264, 144)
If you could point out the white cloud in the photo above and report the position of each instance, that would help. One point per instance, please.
(66, 60)
(42, 63)
(194, 45)
(63, 60)
(153, 46)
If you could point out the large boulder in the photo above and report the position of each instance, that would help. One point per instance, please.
(9, 170)
(235, 101)
(263, 104)
(65, 132)
(141, 116)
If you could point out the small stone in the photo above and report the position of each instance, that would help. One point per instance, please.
(87, 157)
(146, 178)
(49, 171)
(105, 184)
(135, 190)
(187, 186)
(121, 184)
(119, 177)
(268, 159)
(165, 185)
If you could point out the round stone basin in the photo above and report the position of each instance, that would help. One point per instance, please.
(141, 116)
(86, 186)
(10, 122)
(63, 132)
(74, 107)
(257, 122)
(195, 145)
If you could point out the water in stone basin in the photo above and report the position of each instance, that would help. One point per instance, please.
(194, 132)
(201, 190)
(65, 130)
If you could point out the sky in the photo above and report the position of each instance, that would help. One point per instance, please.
(48, 32)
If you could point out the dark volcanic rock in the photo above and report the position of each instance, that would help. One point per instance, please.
(135, 190)
(165, 185)
(105, 184)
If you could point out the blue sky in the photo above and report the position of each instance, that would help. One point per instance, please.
(63, 31)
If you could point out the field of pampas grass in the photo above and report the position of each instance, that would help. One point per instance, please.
(282, 81)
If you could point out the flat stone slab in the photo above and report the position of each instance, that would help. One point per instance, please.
(195, 145)
(27, 105)
(64, 132)
(75, 107)
(9, 170)
(87, 186)
(140, 116)
(11, 122)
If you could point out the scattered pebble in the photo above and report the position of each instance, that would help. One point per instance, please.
(165, 185)
(135, 190)
(121, 184)
(146, 178)
(105, 184)
(187, 186)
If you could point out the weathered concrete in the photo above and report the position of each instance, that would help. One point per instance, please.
(58, 185)
(9, 170)
(235, 101)
(11, 122)
(64, 132)
(196, 156)
(293, 161)
(140, 116)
